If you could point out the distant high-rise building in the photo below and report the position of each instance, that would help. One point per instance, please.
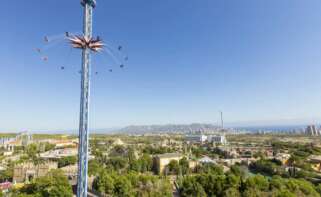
(312, 130)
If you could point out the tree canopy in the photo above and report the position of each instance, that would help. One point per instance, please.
(54, 184)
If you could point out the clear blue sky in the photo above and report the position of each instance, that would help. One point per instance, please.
(258, 61)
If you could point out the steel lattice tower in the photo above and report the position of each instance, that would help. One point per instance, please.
(84, 102)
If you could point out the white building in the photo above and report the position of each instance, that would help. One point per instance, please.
(59, 153)
(217, 139)
(196, 138)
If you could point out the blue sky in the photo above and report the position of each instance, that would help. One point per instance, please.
(258, 61)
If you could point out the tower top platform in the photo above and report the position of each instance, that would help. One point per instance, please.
(89, 2)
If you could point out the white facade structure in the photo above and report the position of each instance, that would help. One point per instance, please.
(59, 153)
(196, 138)
(217, 139)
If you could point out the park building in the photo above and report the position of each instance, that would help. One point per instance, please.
(162, 160)
(59, 153)
(70, 172)
(26, 172)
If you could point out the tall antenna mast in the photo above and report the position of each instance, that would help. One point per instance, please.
(222, 123)
(84, 101)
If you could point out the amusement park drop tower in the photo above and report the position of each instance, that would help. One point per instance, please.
(84, 101)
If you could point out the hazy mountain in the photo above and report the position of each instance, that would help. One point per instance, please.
(168, 128)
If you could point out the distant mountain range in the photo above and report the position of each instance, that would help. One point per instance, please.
(139, 129)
